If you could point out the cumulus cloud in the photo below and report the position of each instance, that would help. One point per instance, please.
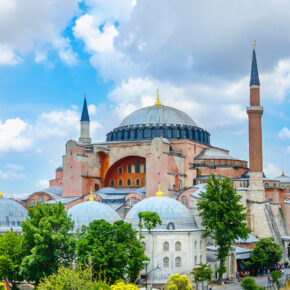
(271, 170)
(34, 26)
(284, 133)
(42, 184)
(12, 172)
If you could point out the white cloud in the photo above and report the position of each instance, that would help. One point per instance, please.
(35, 26)
(42, 184)
(271, 170)
(12, 174)
(284, 133)
(15, 167)
(288, 150)
(13, 135)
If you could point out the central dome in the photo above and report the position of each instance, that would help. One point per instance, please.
(158, 121)
(157, 115)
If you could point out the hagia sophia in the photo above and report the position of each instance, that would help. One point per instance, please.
(160, 146)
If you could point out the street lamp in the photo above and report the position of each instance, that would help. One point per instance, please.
(146, 263)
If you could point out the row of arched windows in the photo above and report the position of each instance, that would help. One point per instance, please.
(128, 182)
(129, 168)
(166, 262)
(166, 246)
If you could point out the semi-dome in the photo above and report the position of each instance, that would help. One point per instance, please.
(156, 115)
(174, 215)
(86, 212)
(158, 121)
(12, 214)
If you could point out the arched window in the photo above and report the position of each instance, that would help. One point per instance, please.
(112, 183)
(171, 226)
(195, 260)
(165, 246)
(195, 244)
(137, 166)
(200, 244)
(32, 202)
(165, 262)
(200, 261)
(120, 182)
(40, 198)
(129, 182)
(97, 187)
(177, 262)
(144, 245)
(184, 200)
(133, 201)
(120, 170)
(274, 184)
(178, 246)
(266, 184)
(137, 181)
(129, 168)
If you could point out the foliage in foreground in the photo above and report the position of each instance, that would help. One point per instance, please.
(113, 251)
(223, 217)
(47, 240)
(178, 282)
(276, 275)
(78, 279)
(202, 273)
(11, 255)
(266, 253)
(149, 220)
(249, 283)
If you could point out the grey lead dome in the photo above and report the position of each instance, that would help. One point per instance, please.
(156, 115)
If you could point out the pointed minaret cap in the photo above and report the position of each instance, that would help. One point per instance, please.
(159, 192)
(85, 114)
(91, 195)
(158, 103)
(254, 81)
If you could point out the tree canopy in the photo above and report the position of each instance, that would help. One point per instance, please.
(149, 220)
(202, 273)
(178, 282)
(114, 249)
(249, 283)
(47, 241)
(223, 217)
(11, 255)
(266, 253)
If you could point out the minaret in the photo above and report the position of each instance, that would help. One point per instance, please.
(85, 125)
(255, 112)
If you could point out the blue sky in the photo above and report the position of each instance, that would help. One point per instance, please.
(119, 52)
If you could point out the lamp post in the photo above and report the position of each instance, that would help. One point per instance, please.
(146, 264)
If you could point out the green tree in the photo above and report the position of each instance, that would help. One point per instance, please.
(47, 240)
(114, 250)
(266, 253)
(71, 279)
(11, 255)
(149, 220)
(178, 282)
(201, 273)
(249, 283)
(276, 275)
(223, 217)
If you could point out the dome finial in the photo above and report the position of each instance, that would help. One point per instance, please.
(283, 173)
(1, 194)
(158, 103)
(159, 192)
(91, 195)
(254, 44)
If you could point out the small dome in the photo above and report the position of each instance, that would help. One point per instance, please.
(213, 153)
(12, 214)
(174, 214)
(157, 115)
(86, 212)
(283, 178)
(157, 276)
(58, 169)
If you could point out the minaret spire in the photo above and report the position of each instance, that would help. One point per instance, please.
(85, 124)
(254, 81)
